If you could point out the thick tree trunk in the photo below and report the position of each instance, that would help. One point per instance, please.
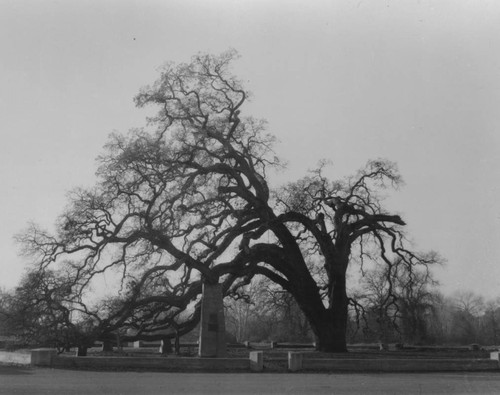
(329, 324)
(81, 351)
(166, 346)
(177, 344)
(330, 332)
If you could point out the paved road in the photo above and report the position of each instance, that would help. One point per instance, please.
(50, 381)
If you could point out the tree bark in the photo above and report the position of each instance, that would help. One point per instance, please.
(177, 344)
(166, 346)
(331, 326)
(330, 336)
(81, 351)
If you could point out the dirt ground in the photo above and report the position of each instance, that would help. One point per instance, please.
(15, 380)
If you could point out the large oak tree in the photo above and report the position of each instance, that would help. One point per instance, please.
(186, 200)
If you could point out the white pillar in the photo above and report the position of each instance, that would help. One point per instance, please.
(256, 361)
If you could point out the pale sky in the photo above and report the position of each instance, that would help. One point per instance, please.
(416, 82)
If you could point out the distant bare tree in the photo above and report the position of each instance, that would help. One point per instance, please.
(399, 301)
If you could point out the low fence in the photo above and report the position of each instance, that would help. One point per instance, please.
(310, 346)
(49, 358)
(297, 361)
(275, 345)
(300, 362)
(155, 344)
(184, 345)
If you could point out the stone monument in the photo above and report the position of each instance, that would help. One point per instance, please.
(212, 327)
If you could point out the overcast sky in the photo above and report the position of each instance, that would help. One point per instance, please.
(416, 82)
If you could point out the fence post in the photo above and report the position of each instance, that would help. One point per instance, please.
(294, 361)
(256, 361)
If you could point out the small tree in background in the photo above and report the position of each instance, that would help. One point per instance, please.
(395, 304)
(40, 311)
(263, 311)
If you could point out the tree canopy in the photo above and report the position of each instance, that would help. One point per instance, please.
(186, 200)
